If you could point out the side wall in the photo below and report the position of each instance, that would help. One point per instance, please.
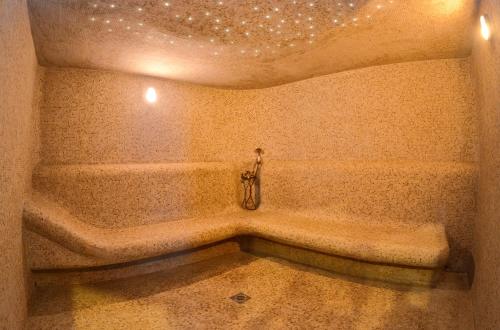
(18, 85)
(486, 68)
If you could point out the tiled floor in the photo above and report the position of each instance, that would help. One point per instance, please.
(282, 296)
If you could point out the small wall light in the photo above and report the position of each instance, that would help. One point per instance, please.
(485, 27)
(151, 96)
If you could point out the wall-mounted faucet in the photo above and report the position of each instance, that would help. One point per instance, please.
(251, 184)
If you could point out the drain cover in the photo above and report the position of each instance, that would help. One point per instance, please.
(240, 298)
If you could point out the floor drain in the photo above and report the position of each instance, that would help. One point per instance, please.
(240, 298)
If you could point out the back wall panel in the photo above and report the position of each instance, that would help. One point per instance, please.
(411, 111)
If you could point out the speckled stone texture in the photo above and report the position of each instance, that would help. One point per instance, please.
(339, 265)
(351, 192)
(127, 195)
(94, 274)
(372, 32)
(410, 111)
(283, 296)
(403, 153)
(422, 246)
(356, 192)
(486, 60)
(18, 88)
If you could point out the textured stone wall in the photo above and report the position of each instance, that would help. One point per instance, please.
(486, 68)
(18, 110)
(410, 111)
(394, 143)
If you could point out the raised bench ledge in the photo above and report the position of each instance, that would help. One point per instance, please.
(423, 246)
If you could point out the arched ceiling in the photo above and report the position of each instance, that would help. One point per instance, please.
(247, 43)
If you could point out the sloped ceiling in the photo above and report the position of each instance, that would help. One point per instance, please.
(247, 44)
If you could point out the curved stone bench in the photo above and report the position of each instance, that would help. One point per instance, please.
(422, 246)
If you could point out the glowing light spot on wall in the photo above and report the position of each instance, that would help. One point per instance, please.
(485, 28)
(151, 96)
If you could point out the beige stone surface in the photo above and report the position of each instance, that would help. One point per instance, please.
(75, 275)
(486, 60)
(283, 296)
(346, 266)
(417, 246)
(352, 192)
(127, 195)
(377, 145)
(390, 193)
(248, 44)
(411, 111)
(18, 107)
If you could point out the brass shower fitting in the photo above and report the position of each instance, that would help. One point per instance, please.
(251, 184)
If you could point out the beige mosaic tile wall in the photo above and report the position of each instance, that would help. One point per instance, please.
(388, 143)
(410, 111)
(18, 110)
(486, 61)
